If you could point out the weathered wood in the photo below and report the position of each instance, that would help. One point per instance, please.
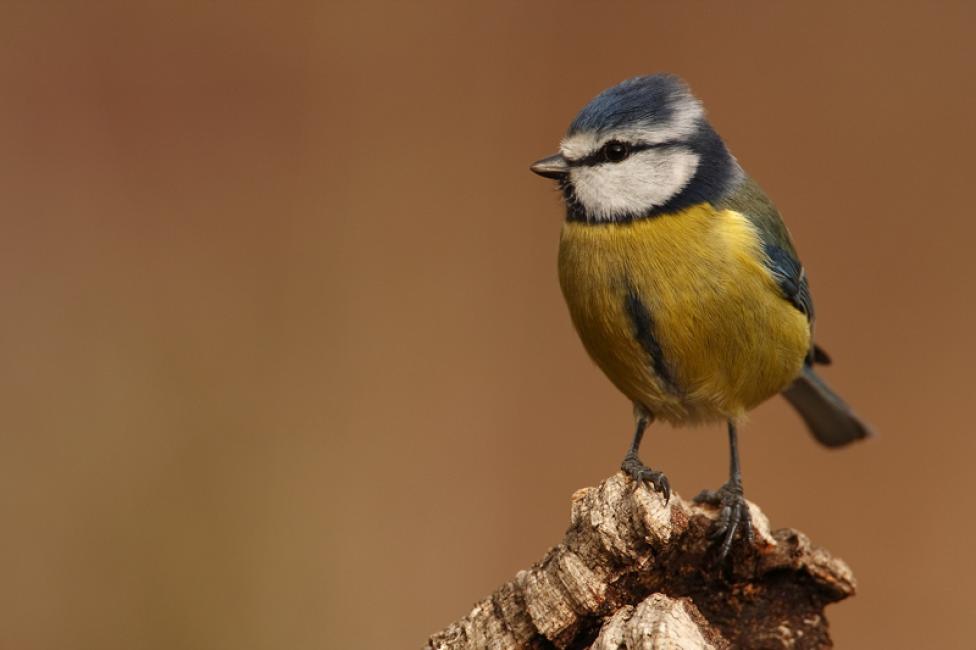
(633, 572)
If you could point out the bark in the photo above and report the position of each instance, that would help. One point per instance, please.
(633, 572)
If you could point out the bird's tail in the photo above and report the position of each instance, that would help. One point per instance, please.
(830, 420)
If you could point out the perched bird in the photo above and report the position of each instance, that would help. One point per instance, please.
(681, 278)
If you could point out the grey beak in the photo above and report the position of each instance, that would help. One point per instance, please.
(551, 167)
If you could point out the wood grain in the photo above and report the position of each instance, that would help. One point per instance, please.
(634, 572)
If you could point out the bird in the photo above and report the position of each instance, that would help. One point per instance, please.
(683, 282)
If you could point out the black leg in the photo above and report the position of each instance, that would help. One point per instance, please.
(638, 471)
(735, 511)
(642, 422)
(735, 472)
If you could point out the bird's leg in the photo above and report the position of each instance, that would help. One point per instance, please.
(735, 511)
(638, 471)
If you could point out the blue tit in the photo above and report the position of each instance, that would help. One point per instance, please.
(682, 280)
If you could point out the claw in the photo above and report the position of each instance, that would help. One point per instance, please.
(732, 518)
(659, 481)
(643, 475)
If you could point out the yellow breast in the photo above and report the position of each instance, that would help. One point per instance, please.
(726, 336)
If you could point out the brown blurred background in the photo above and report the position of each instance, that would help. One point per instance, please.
(283, 345)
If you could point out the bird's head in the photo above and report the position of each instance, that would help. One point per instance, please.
(638, 149)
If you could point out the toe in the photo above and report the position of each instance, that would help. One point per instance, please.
(733, 517)
(710, 497)
(749, 532)
(727, 542)
(718, 530)
(747, 523)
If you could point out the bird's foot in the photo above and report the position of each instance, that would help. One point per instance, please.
(642, 474)
(734, 514)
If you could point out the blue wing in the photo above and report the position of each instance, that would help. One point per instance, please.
(749, 200)
(790, 276)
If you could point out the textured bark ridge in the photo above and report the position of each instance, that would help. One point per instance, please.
(632, 572)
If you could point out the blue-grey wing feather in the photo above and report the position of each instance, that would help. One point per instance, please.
(749, 200)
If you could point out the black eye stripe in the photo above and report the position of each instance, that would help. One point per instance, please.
(597, 157)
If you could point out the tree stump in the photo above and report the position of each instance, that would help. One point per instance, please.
(634, 572)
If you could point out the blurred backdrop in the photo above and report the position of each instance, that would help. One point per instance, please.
(284, 359)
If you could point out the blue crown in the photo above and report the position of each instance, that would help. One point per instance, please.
(646, 100)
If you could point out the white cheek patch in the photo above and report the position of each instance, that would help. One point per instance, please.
(646, 180)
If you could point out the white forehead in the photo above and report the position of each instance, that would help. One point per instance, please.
(684, 121)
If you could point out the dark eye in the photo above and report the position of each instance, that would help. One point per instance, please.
(614, 151)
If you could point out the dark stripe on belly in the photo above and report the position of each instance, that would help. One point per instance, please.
(640, 318)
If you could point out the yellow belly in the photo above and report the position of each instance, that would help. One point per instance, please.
(728, 337)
